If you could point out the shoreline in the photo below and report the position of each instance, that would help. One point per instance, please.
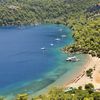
(80, 74)
(79, 79)
(61, 81)
(82, 79)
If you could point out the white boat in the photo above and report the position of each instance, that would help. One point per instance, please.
(57, 39)
(73, 59)
(36, 24)
(63, 36)
(43, 48)
(52, 44)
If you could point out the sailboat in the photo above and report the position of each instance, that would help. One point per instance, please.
(52, 44)
(43, 48)
(57, 39)
(63, 36)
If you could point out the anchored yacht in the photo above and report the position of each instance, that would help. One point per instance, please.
(73, 59)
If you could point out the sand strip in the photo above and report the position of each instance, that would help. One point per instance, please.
(82, 79)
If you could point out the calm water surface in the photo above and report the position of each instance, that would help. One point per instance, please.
(24, 66)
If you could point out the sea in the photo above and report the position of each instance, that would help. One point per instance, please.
(31, 57)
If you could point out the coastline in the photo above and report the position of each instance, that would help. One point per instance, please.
(60, 59)
(74, 81)
(63, 80)
(82, 25)
(82, 79)
(78, 75)
(79, 79)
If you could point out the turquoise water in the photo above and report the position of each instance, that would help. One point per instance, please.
(25, 67)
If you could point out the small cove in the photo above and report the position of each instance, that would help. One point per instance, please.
(25, 67)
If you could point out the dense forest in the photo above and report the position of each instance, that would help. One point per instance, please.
(19, 12)
(86, 31)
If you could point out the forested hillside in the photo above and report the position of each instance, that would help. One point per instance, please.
(86, 31)
(19, 12)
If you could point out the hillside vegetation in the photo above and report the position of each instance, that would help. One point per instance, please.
(19, 12)
(71, 94)
(88, 93)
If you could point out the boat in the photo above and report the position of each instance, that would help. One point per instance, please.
(73, 59)
(36, 24)
(52, 44)
(57, 39)
(63, 36)
(43, 48)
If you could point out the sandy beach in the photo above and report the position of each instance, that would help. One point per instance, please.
(65, 80)
(79, 79)
(82, 79)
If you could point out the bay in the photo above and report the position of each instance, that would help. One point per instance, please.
(31, 57)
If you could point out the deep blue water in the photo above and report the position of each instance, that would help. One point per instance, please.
(23, 65)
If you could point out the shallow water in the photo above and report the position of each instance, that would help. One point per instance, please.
(24, 66)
